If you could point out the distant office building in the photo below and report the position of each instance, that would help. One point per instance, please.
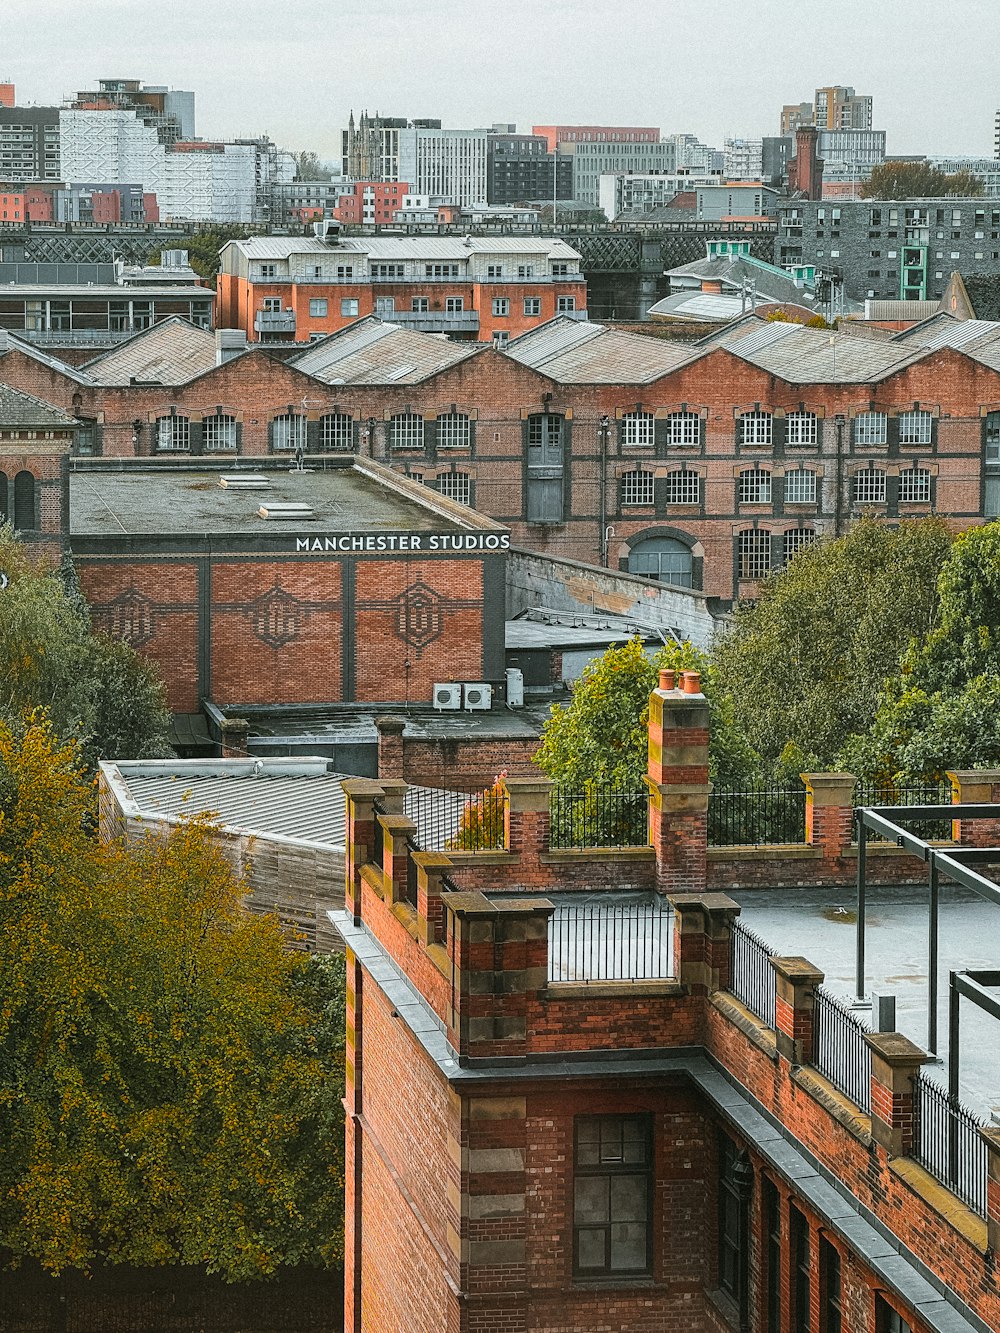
(794, 115)
(168, 111)
(372, 202)
(864, 148)
(694, 155)
(554, 135)
(743, 159)
(775, 152)
(626, 192)
(597, 158)
(451, 163)
(306, 201)
(99, 205)
(984, 169)
(29, 143)
(747, 199)
(520, 167)
(832, 108)
(7, 95)
(370, 147)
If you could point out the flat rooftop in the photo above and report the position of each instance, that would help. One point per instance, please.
(341, 497)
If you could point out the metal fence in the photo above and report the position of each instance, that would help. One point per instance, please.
(840, 1051)
(598, 817)
(751, 976)
(457, 821)
(757, 816)
(620, 941)
(908, 793)
(947, 1142)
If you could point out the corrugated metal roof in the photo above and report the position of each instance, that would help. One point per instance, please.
(408, 247)
(279, 247)
(558, 335)
(373, 352)
(893, 310)
(801, 355)
(699, 305)
(948, 333)
(21, 409)
(582, 353)
(172, 352)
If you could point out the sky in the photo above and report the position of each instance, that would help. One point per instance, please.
(294, 68)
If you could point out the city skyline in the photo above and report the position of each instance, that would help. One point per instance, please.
(427, 57)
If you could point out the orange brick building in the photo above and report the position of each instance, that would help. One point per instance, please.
(616, 1114)
(480, 288)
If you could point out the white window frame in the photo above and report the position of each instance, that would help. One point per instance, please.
(501, 306)
(638, 430)
(683, 487)
(683, 430)
(454, 430)
(795, 539)
(532, 305)
(637, 487)
(318, 307)
(869, 486)
(454, 305)
(455, 486)
(336, 432)
(755, 430)
(755, 486)
(173, 433)
(915, 427)
(914, 486)
(801, 429)
(753, 548)
(406, 431)
(800, 486)
(871, 429)
(565, 305)
(419, 305)
(271, 305)
(218, 433)
(350, 306)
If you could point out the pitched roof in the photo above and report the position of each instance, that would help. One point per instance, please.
(171, 352)
(406, 247)
(18, 410)
(800, 355)
(574, 351)
(735, 271)
(371, 351)
(9, 342)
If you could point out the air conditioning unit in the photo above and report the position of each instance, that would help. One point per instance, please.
(478, 696)
(447, 696)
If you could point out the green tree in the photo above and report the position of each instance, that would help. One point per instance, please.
(95, 689)
(599, 739)
(918, 180)
(309, 167)
(803, 668)
(170, 1073)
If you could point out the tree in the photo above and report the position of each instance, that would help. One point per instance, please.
(918, 180)
(95, 689)
(170, 1072)
(600, 739)
(803, 668)
(308, 167)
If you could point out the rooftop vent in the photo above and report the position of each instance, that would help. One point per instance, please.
(244, 481)
(286, 511)
(397, 372)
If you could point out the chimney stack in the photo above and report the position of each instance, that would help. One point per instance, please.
(229, 343)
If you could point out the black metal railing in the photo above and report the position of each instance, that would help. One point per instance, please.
(598, 817)
(756, 816)
(751, 976)
(840, 1051)
(908, 793)
(620, 941)
(457, 821)
(947, 1142)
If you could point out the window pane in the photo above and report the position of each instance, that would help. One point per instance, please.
(870, 428)
(592, 1201)
(684, 428)
(591, 1249)
(628, 1247)
(628, 1198)
(637, 430)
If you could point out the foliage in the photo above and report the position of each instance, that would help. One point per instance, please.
(203, 247)
(803, 668)
(599, 739)
(482, 820)
(170, 1073)
(940, 710)
(95, 689)
(309, 167)
(918, 180)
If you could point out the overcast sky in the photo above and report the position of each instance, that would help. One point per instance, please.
(294, 68)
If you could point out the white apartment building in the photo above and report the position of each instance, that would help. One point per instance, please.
(447, 163)
(591, 161)
(621, 191)
(743, 159)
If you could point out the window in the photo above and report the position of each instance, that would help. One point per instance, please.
(869, 486)
(612, 1193)
(683, 429)
(440, 270)
(830, 1286)
(419, 305)
(501, 305)
(754, 553)
(349, 306)
(317, 308)
(385, 305)
(454, 431)
(637, 430)
(406, 431)
(560, 270)
(870, 428)
(795, 539)
(345, 270)
(336, 432)
(915, 427)
(683, 487)
(24, 501)
(532, 305)
(887, 1320)
(494, 270)
(218, 432)
(454, 305)
(800, 1270)
(544, 438)
(915, 486)
(663, 558)
(288, 432)
(565, 305)
(525, 270)
(272, 305)
(755, 428)
(389, 271)
(800, 487)
(455, 486)
(637, 488)
(173, 433)
(801, 429)
(268, 270)
(755, 486)
(735, 1182)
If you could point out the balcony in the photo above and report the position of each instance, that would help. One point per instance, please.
(268, 321)
(75, 337)
(433, 321)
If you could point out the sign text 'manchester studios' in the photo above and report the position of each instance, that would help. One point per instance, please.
(463, 542)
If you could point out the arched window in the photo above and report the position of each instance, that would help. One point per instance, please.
(24, 501)
(288, 433)
(663, 558)
(637, 488)
(218, 433)
(869, 486)
(454, 430)
(870, 428)
(753, 549)
(336, 432)
(683, 487)
(800, 487)
(683, 429)
(801, 429)
(755, 429)
(915, 486)
(406, 431)
(637, 430)
(4, 499)
(173, 432)
(755, 486)
(456, 486)
(795, 539)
